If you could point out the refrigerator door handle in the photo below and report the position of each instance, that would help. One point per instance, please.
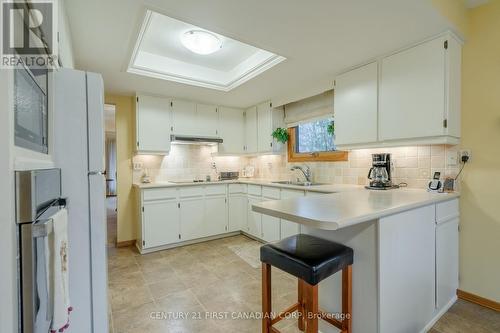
(93, 173)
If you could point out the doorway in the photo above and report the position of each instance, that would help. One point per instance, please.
(111, 174)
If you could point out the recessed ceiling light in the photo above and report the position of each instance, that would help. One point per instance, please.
(201, 42)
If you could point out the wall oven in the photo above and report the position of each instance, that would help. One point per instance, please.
(31, 108)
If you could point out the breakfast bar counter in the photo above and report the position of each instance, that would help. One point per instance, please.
(405, 242)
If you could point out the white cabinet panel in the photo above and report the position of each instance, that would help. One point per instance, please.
(412, 92)
(153, 122)
(215, 215)
(407, 270)
(207, 120)
(446, 262)
(270, 228)
(289, 228)
(237, 219)
(231, 130)
(251, 144)
(254, 220)
(264, 127)
(192, 213)
(356, 96)
(160, 223)
(184, 117)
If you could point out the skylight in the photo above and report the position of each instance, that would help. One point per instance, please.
(173, 50)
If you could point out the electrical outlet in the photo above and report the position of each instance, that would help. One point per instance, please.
(452, 160)
(465, 153)
(137, 166)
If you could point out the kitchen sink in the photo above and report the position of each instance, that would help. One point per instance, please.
(288, 182)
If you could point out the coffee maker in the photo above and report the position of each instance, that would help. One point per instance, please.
(380, 172)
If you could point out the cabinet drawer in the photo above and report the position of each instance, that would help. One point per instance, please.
(191, 191)
(270, 192)
(255, 190)
(237, 188)
(447, 210)
(215, 190)
(159, 194)
(288, 194)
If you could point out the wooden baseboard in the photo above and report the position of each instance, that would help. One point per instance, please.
(125, 243)
(478, 300)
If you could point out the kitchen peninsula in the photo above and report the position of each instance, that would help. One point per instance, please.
(405, 245)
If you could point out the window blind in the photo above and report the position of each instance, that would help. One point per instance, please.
(308, 109)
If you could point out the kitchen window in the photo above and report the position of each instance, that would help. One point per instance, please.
(313, 141)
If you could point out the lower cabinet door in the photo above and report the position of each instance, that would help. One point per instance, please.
(270, 228)
(161, 223)
(215, 215)
(254, 219)
(446, 261)
(192, 213)
(237, 219)
(289, 229)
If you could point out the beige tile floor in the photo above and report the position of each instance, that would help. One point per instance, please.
(148, 292)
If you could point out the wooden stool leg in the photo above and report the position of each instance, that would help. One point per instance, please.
(266, 298)
(347, 299)
(311, 293)
(300, 309)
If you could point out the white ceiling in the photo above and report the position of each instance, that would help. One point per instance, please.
(319, 39)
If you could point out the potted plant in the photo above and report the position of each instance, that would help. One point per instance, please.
(331, 128)
(281, 134)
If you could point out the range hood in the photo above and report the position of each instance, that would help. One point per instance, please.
(194, 140)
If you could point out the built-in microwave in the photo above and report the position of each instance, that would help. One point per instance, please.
(30, 108)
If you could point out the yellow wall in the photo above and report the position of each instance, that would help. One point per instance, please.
(125, 136)
(480, 202)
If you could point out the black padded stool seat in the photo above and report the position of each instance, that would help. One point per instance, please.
(309, 258)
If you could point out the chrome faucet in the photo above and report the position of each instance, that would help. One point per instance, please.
(305, 170)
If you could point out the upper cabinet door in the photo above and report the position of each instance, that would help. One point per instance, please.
(231, 130)
(153, 124)
(251, 130)
(184, 117)
(356, 106)
(265, 127)
(413, 93)
(207, 120)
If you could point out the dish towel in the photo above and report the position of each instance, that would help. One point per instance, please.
(58, 272)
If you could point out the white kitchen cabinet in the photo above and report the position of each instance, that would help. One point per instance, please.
(153, 122)
(207, 120)
(215, 215)
(355, 105)
(268, 119)
(270, 228)
(237, 212)
(160, 223)
(192, 220)
(446, 262)
(254, 220)
(184, 117)
(232, 130)
(289, 228)
(251, 136)
(420, 92)
(407, 270)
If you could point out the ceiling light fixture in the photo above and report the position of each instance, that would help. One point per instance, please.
(201, 42)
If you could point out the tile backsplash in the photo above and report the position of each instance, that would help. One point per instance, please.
(413, 165)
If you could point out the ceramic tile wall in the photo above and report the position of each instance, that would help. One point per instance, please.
(186, 162)
(413, 165)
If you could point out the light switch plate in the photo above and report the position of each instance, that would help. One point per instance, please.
(452, 160)
(137, 166)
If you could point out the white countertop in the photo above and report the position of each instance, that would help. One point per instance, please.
(349, 207)
(328, 188)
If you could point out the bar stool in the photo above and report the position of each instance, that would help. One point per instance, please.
(311, 260)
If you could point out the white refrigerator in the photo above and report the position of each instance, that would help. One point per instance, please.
(78, 123)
